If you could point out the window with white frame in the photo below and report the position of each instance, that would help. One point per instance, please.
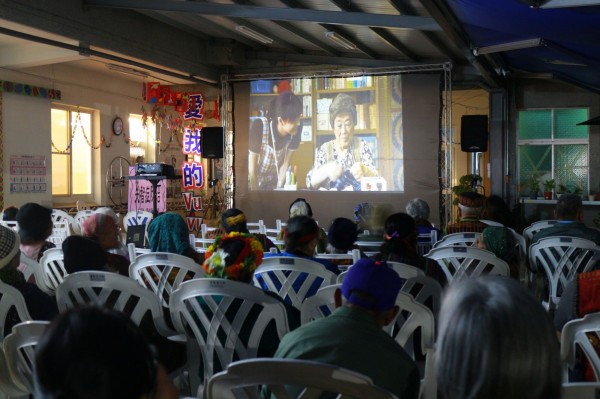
(552, 146)
(72, 139)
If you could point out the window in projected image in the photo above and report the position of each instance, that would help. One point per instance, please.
(334, 134)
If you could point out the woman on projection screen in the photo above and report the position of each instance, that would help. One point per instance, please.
(342, 162)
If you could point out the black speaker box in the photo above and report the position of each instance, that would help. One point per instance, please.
(474, 133)
(211, 142)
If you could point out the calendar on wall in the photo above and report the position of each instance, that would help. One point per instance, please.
(28, 174)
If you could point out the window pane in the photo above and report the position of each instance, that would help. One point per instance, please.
(534, 159)
(60, 174)
(536, 124)
(82, 154)
(60, 129)
(565, 123)
(572, 166)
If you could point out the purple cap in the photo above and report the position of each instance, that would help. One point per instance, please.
(375, 279)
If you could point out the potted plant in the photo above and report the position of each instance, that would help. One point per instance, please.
(465, 183)
(549, 188)
(534, 185)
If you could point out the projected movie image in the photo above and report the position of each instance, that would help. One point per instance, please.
(328, 134)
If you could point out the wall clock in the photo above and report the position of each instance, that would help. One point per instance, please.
(117, 126)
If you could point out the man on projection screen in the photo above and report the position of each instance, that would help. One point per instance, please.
(273, 141)
(341, 163)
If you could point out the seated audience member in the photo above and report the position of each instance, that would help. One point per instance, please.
(83, 254)
(103, 229)
(503, 244)
(496, 210)
(352, 336)
(40, 305)
(302, 208)
(418, 209)
(495, 341)
(235, 256)
(400, 240)
(9, 214)
(569, 213)
(122, 249)
(35, 226)
(96, 353)
(470, 205)
(234, 220)
(169, 233)
(300, 240)
(342, 235)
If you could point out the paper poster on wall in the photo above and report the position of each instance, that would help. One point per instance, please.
(140, 194)
(28, 174)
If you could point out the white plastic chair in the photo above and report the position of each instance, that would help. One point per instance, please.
(580, 390)
(113, 291)
(353, 256)
(60, 231)
(34, 268)
(426, 291)
(53, 266)
(459, 262)
(19, 351)
(533, 228)
(561, 258)
(319, 305)
(8, 386)
(577, 334)
(134, 251)
(256, 227)
(458, 239)
(426, 241)
(211, 312)
(60, 216)
(11, 298)
(314, 378)
(163, 272)
(134, 218)
(293, 279)
(81, 216)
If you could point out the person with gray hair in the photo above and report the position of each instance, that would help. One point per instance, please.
(341, 163)
(496, 341)
(569, 213)
(418, 209)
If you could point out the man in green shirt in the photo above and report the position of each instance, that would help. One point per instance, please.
(352, 336)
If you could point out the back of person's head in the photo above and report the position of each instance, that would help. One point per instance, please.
(286, 106)
(470, 204)
(501, 241)
(35, 222)
(399, 236)
(342, 104)
(342, 234)
(98, 224)
(9, 248)
(234, 220)
(169, 233)
(233, 256)
(81, 253)
(568, 207)
(300, 208)
(9, 213)
(496, 341)
(371, 285)
(299, 232)
(94, 353)
(418, 209)
(105, 210)
(496, 209)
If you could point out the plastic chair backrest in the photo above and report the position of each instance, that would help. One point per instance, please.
(314, 379)
(457, 239)
(53, 266)
(34, 268)
(533, 228)
(580, 333)
(293, 279)
(8, 386)
(580, 390)
(134, 218)
(134, 251)
(459, 262)
(60, 216)
(80, 217)
(60, 231)
(212, 313)
(11, 298)
(404, 270)
(319, 305)
(561, 258)
(425, 290)
(19, 351)
(426, 241)
(163, 272)
(113, 291)
(353, 255)
(256, 227)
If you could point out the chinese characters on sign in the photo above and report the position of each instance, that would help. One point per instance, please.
(27, 174)
(195, 107)
(192, 172)
(140, 194)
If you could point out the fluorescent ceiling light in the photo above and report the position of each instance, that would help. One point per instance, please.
(497, 48)
(340, 40)
(252, 34)
(569, 3)
(127, 70)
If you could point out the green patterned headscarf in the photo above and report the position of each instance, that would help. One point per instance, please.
(500, 241)
(169, 233)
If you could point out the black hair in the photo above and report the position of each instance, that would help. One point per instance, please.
(10, 213)
(35, 222)
(299, 231)
(240, 227)
(285, 106)
(94, 353)
(568, 206)
(401, 234)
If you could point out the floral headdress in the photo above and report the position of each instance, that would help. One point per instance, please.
(240, 266)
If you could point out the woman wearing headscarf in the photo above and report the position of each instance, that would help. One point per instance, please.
(169, 233)
(502, 243)
(103, 229)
